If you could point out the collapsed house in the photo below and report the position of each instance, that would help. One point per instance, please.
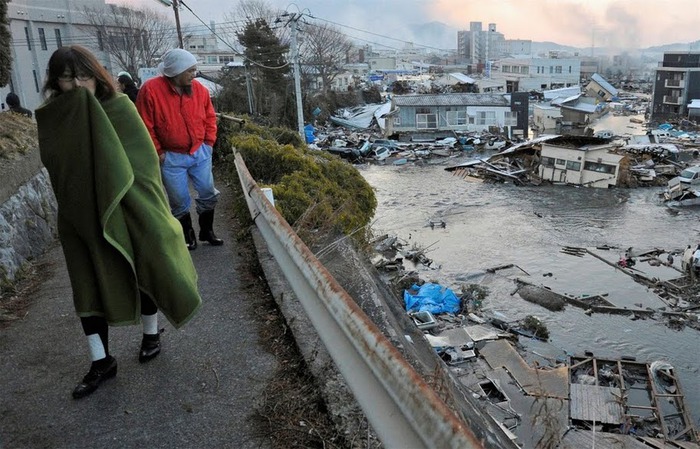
(576, 160)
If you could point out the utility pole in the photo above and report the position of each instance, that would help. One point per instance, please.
(294, 18)
(176, 9)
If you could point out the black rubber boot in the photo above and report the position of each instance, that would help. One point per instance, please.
(206, 229)
(188, 231)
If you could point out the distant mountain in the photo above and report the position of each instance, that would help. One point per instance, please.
(690, 46)
(544, 47)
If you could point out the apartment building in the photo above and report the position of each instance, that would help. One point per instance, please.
(676, 85)
(38, 28)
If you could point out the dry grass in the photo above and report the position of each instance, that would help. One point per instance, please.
(292, 413)
(18, 134)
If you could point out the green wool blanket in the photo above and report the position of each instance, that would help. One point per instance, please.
(114, 222)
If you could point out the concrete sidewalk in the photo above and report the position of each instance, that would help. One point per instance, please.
(198, 393)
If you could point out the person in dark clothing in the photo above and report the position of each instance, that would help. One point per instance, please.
(12, 101)
(127, 86)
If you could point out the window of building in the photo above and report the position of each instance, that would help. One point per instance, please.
(486, 118)
(569, 69)
(561, 162)
(457, 118)
(557, 69)
(426, 121)
(225, 59)
(599, 167)
(538, 69)
(212, 59)
(510, 118)
(525, 70)
(59, 41)
(42, 39)
(397, 120)
(100, 41)
(551, 69)
(36, 80)
(572, 165)
(547, 161)
(26, 36)
(506, 69)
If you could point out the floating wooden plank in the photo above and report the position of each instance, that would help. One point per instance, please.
(594, 403)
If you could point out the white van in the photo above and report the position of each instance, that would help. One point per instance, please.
(660, 135)
(690, 175)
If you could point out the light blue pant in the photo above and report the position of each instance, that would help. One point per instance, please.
(177, 169)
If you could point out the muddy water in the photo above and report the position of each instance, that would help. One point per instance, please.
(488, 225)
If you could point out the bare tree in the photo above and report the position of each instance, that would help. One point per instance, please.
(250, 11)
(324, 49)
(133, 37)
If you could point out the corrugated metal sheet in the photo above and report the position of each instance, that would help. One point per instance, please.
(579, 439)
(462, 78)
(595, 403)
(451, 100)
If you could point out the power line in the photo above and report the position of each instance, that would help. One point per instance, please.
(379, 35)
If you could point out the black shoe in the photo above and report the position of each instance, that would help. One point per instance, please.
(211, 238)
(150, 347)
(99, 372)
(206, 228)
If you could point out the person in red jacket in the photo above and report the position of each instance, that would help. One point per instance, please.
(178, 113)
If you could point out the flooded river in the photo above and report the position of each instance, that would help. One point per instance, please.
(488, 225)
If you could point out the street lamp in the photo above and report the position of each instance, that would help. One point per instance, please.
(176, 8)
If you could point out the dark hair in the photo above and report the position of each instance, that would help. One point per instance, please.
(126, 80)
(12, 100)
(78, 60)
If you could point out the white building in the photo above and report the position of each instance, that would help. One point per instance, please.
(38, 28)
(589, 165)
(546, 117)
(526, 74)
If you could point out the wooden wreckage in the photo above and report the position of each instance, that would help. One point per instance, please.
(521, 164)
(541, 400)
(677, 291)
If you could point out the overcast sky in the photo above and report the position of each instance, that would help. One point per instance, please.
(579, 23)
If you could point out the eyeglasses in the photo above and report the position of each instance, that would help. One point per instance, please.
(70, 78)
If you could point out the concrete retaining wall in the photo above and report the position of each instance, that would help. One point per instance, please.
(27, 213)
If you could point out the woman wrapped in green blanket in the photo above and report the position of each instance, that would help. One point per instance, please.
(124, 251)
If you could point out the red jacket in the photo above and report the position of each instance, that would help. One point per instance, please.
(178, 123)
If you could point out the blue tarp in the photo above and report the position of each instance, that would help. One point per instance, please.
(309, 133)
(432, 298)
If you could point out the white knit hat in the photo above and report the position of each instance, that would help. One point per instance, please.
(124, 73)
(176, 61)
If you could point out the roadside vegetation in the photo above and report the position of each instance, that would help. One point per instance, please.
(318, 195)
(315, 192)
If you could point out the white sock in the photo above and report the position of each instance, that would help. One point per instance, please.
(150, 324)
(97, 349)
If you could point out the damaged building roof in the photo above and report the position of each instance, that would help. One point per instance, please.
(602, 82)
(451, 100)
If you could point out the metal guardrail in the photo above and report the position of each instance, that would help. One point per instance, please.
(401, 407)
